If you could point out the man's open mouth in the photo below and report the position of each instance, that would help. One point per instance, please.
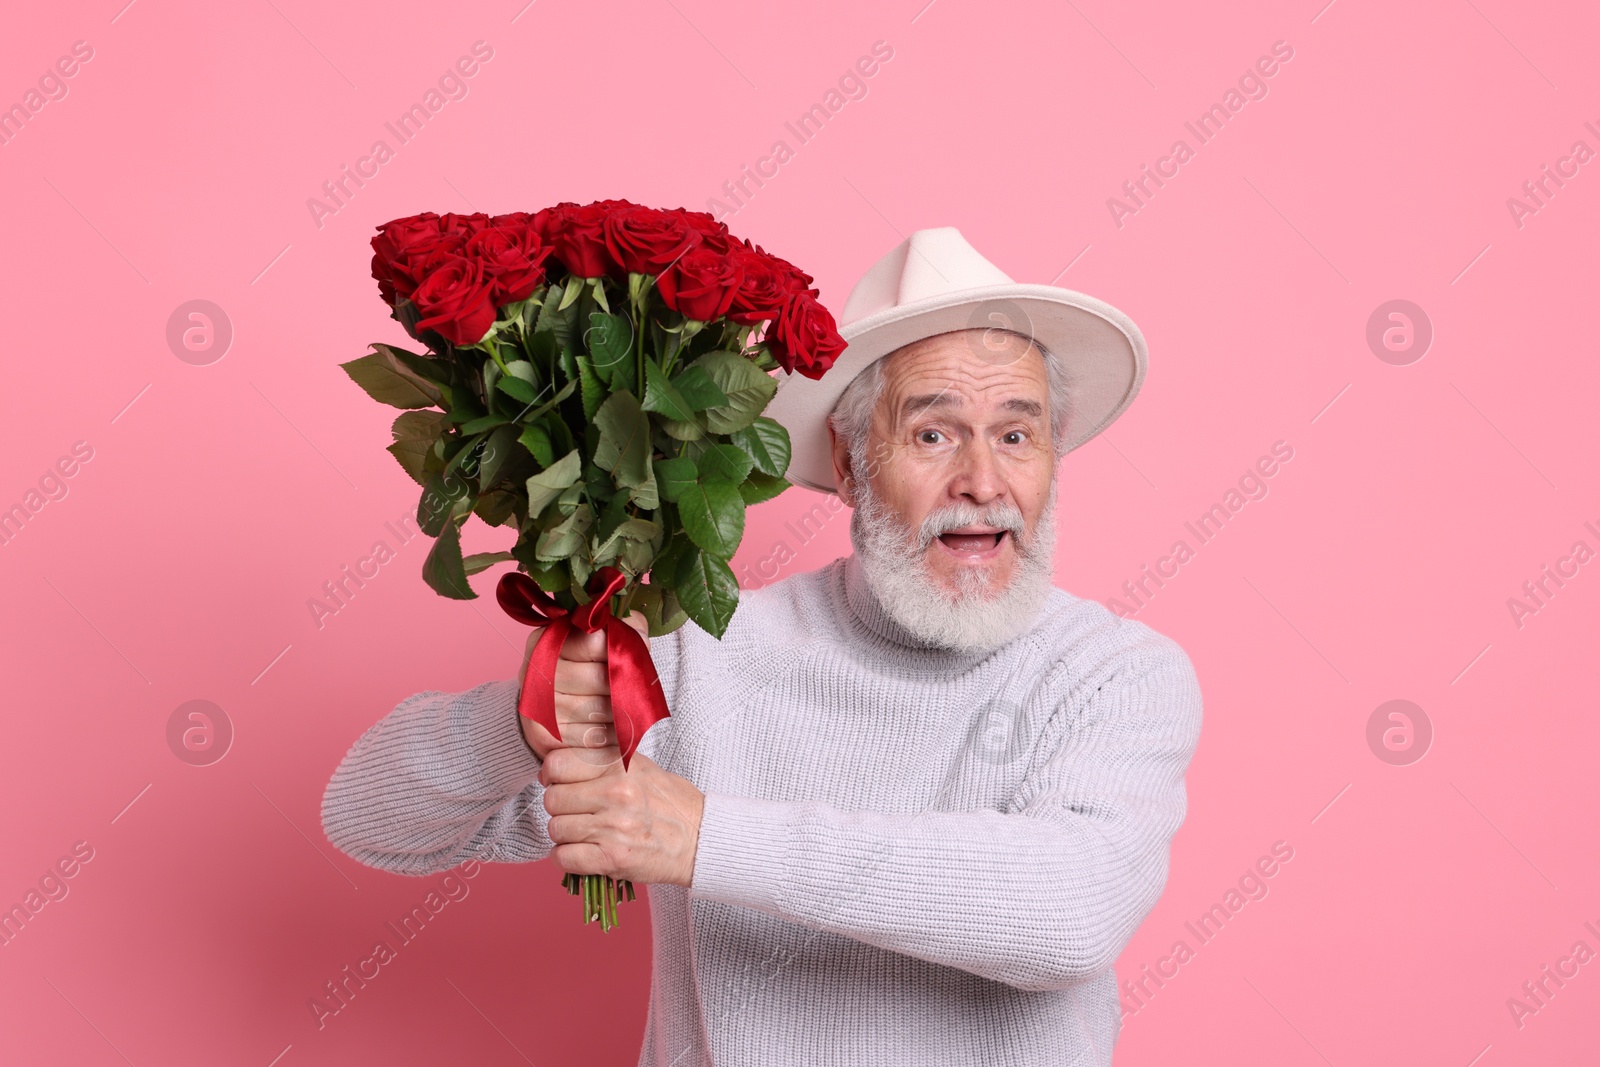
(973, 541)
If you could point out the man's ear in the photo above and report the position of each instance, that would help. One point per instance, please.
(846, 486)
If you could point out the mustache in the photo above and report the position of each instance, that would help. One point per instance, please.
(1001, 515)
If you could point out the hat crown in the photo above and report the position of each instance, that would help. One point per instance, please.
(929, 263)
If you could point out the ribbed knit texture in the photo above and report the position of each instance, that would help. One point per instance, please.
(907, 857)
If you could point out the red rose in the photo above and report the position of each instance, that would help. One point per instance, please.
(701, 285)
(804, 337)
(713, 234)
(391, 247)
(385, 279)
(577, 236)
(450, 222)
(799, 280)
(397, 234)
(765, 288)
(512, 258)
(647, 241)
(454, 299)
(514, 218)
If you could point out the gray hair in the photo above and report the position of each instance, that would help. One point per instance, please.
(851, 418)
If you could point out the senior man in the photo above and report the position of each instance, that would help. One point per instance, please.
(913, 804)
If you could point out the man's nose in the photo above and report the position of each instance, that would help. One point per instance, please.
(977, 475)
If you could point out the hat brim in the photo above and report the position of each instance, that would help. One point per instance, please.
(1103, 352)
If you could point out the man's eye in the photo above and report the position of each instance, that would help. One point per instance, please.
(1013, 438)
(930, 437)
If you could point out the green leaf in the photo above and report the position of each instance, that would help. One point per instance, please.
(444, 568)
(685, 431)
(662, 397)
(496, 507)
(389, 381)
(482, 561)
(636, 557)
(624, 447)
(645, 494)
(581, 570)
(541, 345)
(593, 392)
(535, 440)
(444, 496)
(766, 442)
(600, 489)
(637, 531)
(565, 391)
(598, 288)
(712, 512)
(697, 389)
(728, 462)
(612, 516)
(609, 340)
(747, 387)
(574, 287)
(549, 483)
(664, 572)
(486, 422)
(434, 370)
(414, 433)
(464, 450)
(707, 590)
(570, 498)
(517, 389)
(661, 609)
(497, 452)
(549, 311)
(675, 475)
(761, 487)
(563, 540)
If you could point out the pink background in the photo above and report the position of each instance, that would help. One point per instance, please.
(219, 497)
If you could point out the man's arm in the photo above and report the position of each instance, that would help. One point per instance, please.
(443, 778)
(447, 777)
(1038, 899)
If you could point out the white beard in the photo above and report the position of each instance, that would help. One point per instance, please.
(976, 618)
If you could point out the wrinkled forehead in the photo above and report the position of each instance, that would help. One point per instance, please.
(965, 374)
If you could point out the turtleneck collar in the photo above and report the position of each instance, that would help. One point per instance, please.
(866, 620)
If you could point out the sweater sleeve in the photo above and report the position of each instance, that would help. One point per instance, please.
(1038, 898)
(443, 778)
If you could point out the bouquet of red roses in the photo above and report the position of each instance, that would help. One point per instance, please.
(595, 378)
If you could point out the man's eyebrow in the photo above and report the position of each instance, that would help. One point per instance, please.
(924, 401)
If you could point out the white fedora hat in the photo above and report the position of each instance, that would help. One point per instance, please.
(935, 282)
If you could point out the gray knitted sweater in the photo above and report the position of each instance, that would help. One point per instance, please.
(907, 856)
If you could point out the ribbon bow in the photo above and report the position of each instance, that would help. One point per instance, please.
(637, 702)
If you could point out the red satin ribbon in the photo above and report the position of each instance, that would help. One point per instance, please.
(637, 702)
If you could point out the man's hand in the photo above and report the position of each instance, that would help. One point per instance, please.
(583, 697)
(642, 825)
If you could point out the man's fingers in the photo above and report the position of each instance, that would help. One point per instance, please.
(582, 857)
(574, 798)
(590, 648)
(582, 677)
(569, 765)
(582, 710)
(589, 735)
(576, 826)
